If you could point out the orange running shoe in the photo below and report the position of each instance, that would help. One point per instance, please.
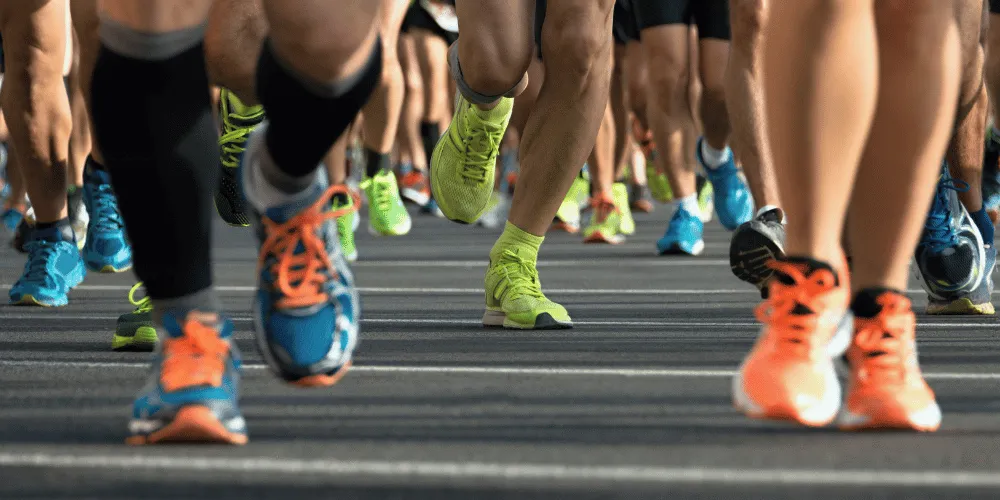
(790, 373)
(413, 186)
(887, 390)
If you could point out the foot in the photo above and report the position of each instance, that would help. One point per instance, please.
(306, 310)
(386, 214)
(238, 121)
(107, 249)
(683, 235)
(732, 200)
(755, 244)
(706, 199)
(639, 199)
(135, 331)
(605, 222)
(790, 373)
(991, 176)
(54, 267)
(192, 395)
(886, 388)
(347, 223)
(463, 166)
(619, 194)
(514, 297)
(413, 186)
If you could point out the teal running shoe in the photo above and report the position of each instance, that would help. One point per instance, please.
(53, 269)
(107, 250)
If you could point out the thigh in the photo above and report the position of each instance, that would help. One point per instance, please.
(35, 38)
(156, 16)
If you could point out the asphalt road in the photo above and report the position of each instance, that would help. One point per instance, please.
(632, 403)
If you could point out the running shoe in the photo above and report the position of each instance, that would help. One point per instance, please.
(463, 167)
(991, 175)
(683, 235)
(135, 331)
(306, 309)
(22, 235)
(790, 373)
(755, 244)
(639, 199)
(347, 223)
(659, 185)
(568, 216)
(432, 208)
(413, 186)
(11, 218)
(54, 267)
(79, 219)
(193, 391)
(951, 255)
(514, 297)
(619, 193)
(886, 388)
(386, 214)
(732, 200)
(497, 212)
(107, 250)
(706, 198)
(605, 223)
(238, 121)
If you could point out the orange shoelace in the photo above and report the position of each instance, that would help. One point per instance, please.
(883, 340)
(299, 277)
(197, 358)
(777, 311)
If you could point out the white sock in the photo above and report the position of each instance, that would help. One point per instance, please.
(715, 158)
(262, 194)
(689, 204)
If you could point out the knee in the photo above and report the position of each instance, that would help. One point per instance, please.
(748, 18)
(493, 64)
(668, 79)
(579, 54)
(913, 26)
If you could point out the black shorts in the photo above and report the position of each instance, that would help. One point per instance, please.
(418, 17)
(710, 16)
(624, 27)
(539, 20)
(3, 66)
(994, 6)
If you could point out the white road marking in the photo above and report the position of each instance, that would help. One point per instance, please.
(442, 470)
(486, 370)
(582, 263)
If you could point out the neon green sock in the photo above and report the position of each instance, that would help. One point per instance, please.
(515, 237)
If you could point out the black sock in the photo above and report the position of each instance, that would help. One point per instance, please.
(376, 162)
(60, 230)
(865, 303)
(74, 199)
(92, 164)
(306, 118)
(164, 167)
(430, 133)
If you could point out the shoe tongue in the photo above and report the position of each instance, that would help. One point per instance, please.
(301, 202)
(173, 324)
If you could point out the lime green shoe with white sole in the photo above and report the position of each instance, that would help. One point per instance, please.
(386, 214)
(346, 225)
(463, 166)
(514, 297)
(135, 331)
(619, 193)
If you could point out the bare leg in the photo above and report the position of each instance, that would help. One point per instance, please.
(413, 104)
(383, 111)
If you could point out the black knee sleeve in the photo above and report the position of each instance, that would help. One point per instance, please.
(306, 118)
(153, 120)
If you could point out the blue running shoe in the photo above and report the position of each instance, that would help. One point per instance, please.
(11, 218)
(53, 269)
(306, 310)
(951, 256)
(193, 392)
(733, 202)
(106, 249)
(991, 175)
(683, 235)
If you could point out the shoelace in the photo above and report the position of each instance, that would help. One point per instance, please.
(480, 145)
(106, 216)
(299, 277)
(938, 230)
(520, 275)
(882, 340)
(777, 312)
(40, 254)
(194, 359)
(143, 305)
(382, 190)
(233, 144)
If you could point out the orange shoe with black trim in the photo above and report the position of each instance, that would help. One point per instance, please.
(886, 388)
(192, 395)
(790, 372)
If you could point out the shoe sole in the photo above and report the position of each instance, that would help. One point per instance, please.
(30, 300)
(748, 258)
(414, 196)
(144, 340)
(675, 249)
(398, 232)
(564, 226)
(192, 424)
(600, 237)
(109, 269)
(322, 380)
(962, 306)
(543, 321)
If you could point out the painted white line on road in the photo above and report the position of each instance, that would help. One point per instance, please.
(582, 263)
(506, 471)
(64, 316)
(487, 370)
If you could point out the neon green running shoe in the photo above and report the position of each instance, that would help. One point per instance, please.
(346, 224)
(706, 199)
(514, 297)
(619, 193)
(135, 331)
(238, 120)
(463, 166)
(658, 184)
(386, 214)
(605, 223)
